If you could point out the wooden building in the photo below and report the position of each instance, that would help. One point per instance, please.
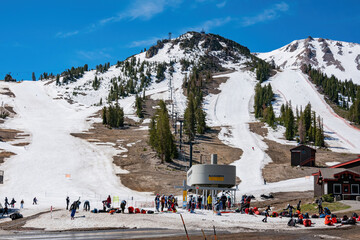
(303, 156)
(337, 181)
(352, 165)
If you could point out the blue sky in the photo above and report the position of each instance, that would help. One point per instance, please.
(51, 36)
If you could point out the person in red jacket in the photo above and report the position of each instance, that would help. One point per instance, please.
(108, 200)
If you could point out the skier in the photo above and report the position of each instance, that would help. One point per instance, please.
(266, 213)
(35, 201)
(67, 202)
(87, 205)
(12, 203)
(122, 206)
(22, 203)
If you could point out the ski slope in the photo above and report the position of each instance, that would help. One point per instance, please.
(231, 110)
(292, 85)
(40, 168)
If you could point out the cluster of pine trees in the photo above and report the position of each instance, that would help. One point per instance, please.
(194, 115)
(161, 138)
(262, 103)
(305, 125)
(139, 106)
(102, 68)
(73, 74)
(262, 70)
(343, 93)
(43, 76)
(113, 116)
(96, 83)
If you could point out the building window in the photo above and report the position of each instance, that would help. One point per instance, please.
(337, 188)
(354, 188)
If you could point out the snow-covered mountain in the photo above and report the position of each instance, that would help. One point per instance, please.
(341, 59)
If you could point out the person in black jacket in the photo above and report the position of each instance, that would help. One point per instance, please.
(266, 213)
(67, 202)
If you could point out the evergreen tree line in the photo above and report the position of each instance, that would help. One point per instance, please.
(262, 103)
(262, 70)
(342, 93)
(73, 74)
(113, 116)
(194, 115)
(43, 76)
(139, 106)
(305, 125)
(161, 138)
(102, 68)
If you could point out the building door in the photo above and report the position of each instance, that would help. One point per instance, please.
(346, 191)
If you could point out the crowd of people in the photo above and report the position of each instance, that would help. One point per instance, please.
(163, 202)
(10, 204)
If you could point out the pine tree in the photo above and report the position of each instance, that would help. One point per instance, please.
(301, 130)
(161, 138)
(104, 114)
(33, 76)
(189, 118)
(289, 132)
(270, 119)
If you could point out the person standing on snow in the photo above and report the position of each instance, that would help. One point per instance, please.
(162, 202)
(67, 202)
(122, 206)
(6, 201)
(157, 202)
(12, 203)
(22, 203)
(266, 213)
(73, 211)
(209, 202)
(87, 205)
(35, 201)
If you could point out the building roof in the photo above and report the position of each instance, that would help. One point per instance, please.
(328, 173)
(300, 146)
(346, 163)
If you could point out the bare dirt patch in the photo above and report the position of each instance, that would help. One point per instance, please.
(8, 134)
(5, 154)
(280, 168)
(8, 92)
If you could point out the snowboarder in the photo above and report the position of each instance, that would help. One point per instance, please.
(12, 203)
(67, 202)
(22, 203)
(122, 206)
(35, 201)
(87, 205)
(266, 213)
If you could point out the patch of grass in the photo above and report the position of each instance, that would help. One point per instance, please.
(313, 208)
(145, 149)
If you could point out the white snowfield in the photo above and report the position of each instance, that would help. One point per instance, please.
(56, 164)
(202, 219)
(344, 63)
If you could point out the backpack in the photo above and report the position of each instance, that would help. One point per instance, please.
(307, 222)
(355, 215)
(306, 215)
(143, 211)
(291, 223)
(15, 216)
(131, 209)
(150, 212)
(314, 216)
(299, 221)
(137, 210)
(322, 215)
